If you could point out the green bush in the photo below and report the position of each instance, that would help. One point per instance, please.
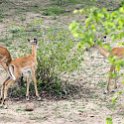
(54, 10)
(55, 56)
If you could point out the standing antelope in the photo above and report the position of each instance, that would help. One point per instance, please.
(5, 57)
(24, 65)
(116, 51)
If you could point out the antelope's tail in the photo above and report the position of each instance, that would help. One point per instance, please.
(11, 72)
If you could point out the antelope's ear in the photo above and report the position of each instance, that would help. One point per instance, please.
(35, 40)
(104, 37)
(28, 40)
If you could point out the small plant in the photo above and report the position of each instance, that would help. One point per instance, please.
(109, 120)
(15, 29)
(54, 10)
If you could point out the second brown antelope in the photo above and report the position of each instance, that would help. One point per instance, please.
(5, 57)
(116, 51)
(24, 65)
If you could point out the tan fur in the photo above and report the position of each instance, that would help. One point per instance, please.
(5, 57)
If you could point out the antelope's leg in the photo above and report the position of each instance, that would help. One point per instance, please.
(28, 84)
(35, 84)
(4, 66)
(2, 89)
(1, 94)
(8, 82)
(112, 68)
(4, 63)
(115, 83)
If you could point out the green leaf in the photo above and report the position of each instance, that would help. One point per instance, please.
(121, 9)
(114, 99)
(109, 120)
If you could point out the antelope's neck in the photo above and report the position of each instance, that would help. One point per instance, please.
(34, 51)
(103, 51)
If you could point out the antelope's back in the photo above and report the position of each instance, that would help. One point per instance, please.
(4, 53)
(118, 51)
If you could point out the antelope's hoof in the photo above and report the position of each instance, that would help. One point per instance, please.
(113, 91)
(106, 92)
(27, 98)
(0, 100)
(1, 105)
(39, 98)
(5, 107)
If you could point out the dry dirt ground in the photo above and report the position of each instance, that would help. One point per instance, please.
(75, 111)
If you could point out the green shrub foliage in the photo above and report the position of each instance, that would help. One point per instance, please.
(99, 23)
(55, 56)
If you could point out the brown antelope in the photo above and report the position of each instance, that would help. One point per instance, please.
(5, 57)
(116, 51)
(24, 65)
